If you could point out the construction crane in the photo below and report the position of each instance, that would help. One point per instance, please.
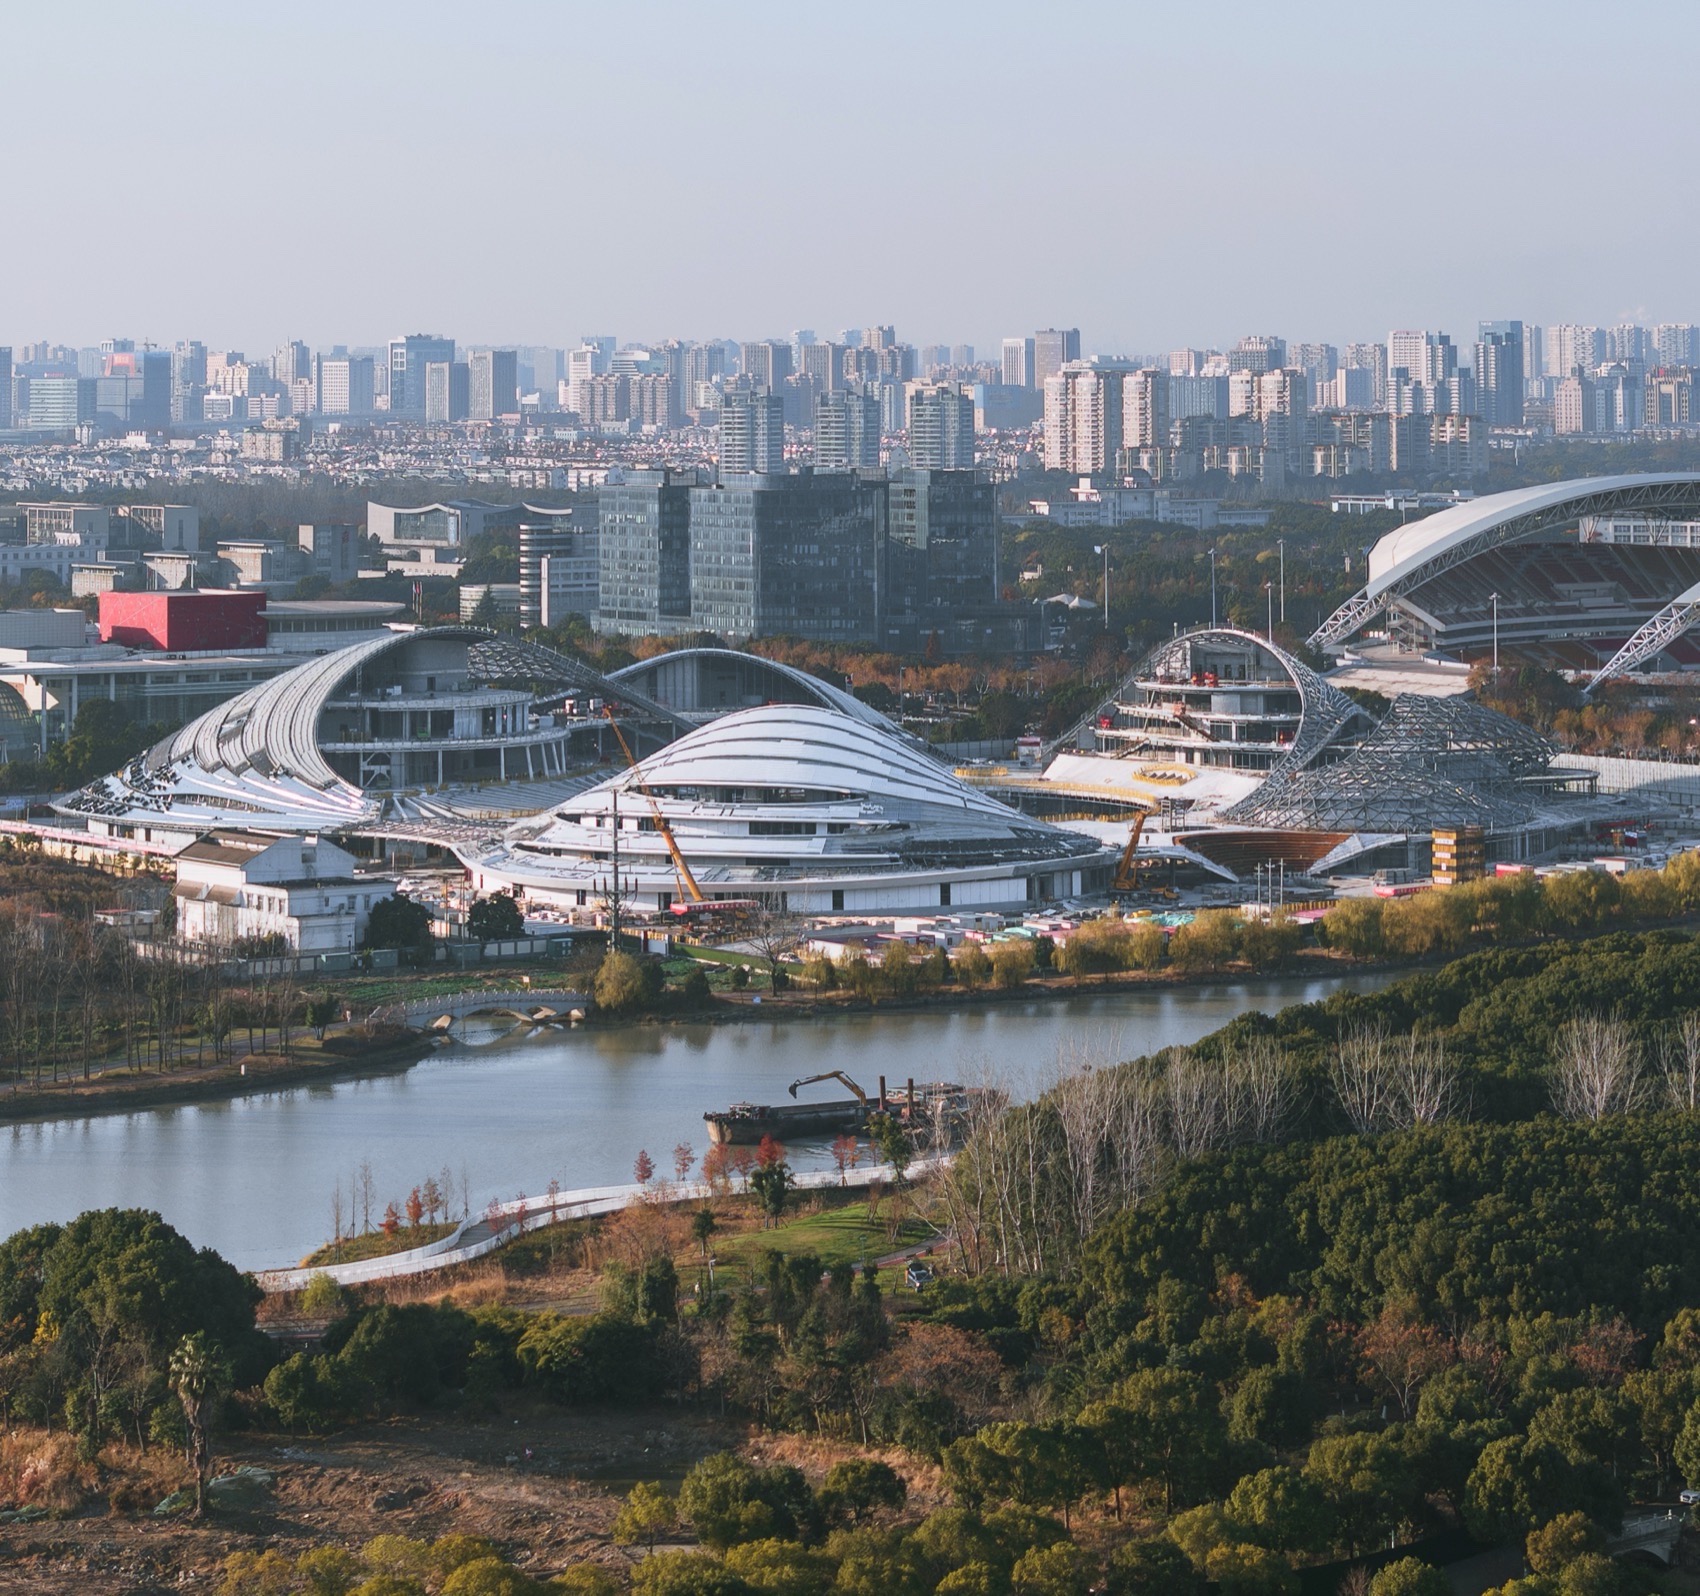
(680, 868)
(832, 1075)
(1127, 872)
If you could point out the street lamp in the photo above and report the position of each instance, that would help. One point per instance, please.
(1494, 600)
(1269, 596)
(1104, 549)
(1212, 589)
(1281, 544)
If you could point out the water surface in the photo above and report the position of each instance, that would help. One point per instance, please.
(506, 1110)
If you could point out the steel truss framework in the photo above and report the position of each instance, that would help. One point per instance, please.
(1328, 717)
(500, 659)
(1660, 500)
(1432, 762)
(1654, 635)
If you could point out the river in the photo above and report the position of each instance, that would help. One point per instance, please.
(504, 1110)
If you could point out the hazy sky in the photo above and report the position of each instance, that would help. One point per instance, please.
(532, 171)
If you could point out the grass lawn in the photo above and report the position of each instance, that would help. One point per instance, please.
(837, 1235)
(375, 1244)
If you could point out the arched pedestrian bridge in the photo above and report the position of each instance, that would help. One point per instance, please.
(537, 1005)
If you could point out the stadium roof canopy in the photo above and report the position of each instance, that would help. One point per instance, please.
(1418, 554)
(832, 813)
(259, 760)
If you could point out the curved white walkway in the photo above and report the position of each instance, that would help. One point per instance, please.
(475, 1237)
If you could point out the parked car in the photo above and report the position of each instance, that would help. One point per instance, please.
(1689, 1498)
(918, 1275)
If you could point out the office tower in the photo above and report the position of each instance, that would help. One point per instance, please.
(824, 363)
(1573, 405)
(344, 385)
(1500, 373)
(1083, 415)
(1571, 348)
(493, 375)
(1676, 344)
(847, 431)
(1373, 359)
(962, 355)
(583, 363)
(538, 370)
(1618, 398)
(880, 337)
(1282, 403)
(447, 391)
(5, 387)
(557, 572)
(1668, 398)
(1198, 396)
(766, 363)
(944, 547)
(604, 403)
(1319, 362)
(935, 360)
(1627, 342)
(705, 364)
(896, 363)
(1422, 356)
(1053, 349)
(1018, 362)
(188, 380)
(752, 431)
(1257, 354)
(409, 356)
(941, 428)
(60, 402)
(789, 556)
(644, 553)
(651, 402)
(292, 360)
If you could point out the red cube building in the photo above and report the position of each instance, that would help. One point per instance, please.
(184, 622)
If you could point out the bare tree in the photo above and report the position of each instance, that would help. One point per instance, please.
(775, 934)
(1264, 1089)
(1138, 1147)
(1679, 1060)
(1198, 1112)
(1426, 1089)
(363, 1185)
(336, 1212)
(1362, 1078)
(1596, 1069)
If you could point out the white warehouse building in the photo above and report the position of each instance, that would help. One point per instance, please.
(237, 887)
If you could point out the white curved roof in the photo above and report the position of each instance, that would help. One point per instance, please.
(821, 692)
(1402, 553)
(800, 745)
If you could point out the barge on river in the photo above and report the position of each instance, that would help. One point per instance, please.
(937, 1107)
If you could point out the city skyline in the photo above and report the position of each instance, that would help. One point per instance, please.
(433, 127)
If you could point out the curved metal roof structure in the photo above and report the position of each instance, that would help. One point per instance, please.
(256, 760)
(1404, 560)
(795, 798)
(1323, 720)
(700, 683)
